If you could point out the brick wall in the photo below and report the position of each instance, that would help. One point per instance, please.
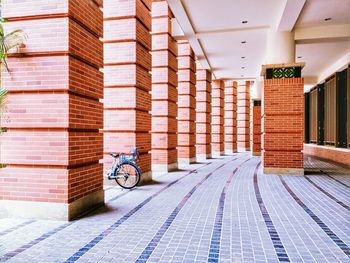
(243, 117)
(283, 123)
(127, 82)
(217, 115)
(256, 130)
(203, 113)
(230, 117)
(338, 155)
(53, 146)
(164, 90)
(186, 103)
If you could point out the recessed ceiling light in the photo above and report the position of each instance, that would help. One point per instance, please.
(243, 42)
(244, 22)
(242, 75)
(242, 67)
(299, 57)
(242, 57)
(327, 19)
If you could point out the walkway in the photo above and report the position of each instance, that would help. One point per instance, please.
(222, 210)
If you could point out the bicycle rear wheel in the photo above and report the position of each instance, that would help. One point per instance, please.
(128, 175)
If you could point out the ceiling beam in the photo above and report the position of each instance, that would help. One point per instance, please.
(320, 34)
(181, 15)
(290, 14)
(230, 30)
(338, 65)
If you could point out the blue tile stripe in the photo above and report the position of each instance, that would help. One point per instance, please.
(7, 231)
(214, 249)
(276, 241)
(147, 252)
(343, 184)
(82, 251)
(23, 248)
(318, 221)
(133, 189)
(55, 231)
(327, 194)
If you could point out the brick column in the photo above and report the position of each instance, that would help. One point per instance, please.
(127, 82)
(52, 146)
(186, 104)
(283, 121)
(217, 122)
(243, 117)
(164, 90)
(256, 128)
(230, 117)
(203, 113)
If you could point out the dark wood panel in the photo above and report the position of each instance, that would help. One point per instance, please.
(307, 117)
(330, 131)
(313, 116)
(342, 109)
(320, 113)
(348, 106)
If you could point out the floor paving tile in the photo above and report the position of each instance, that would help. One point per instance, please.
(221, 210)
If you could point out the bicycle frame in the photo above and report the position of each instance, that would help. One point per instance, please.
(116, 164)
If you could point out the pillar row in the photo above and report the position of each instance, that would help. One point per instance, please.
(52, 146)
(127, 82)
(243, 117)
(164, 90)
(230, 117)
(203, 113)
(186, 103)
(217, 122)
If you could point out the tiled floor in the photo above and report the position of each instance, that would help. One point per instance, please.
(224, 210)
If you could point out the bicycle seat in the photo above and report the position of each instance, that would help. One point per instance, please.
(115, 155)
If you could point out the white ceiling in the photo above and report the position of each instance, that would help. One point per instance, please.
(318, 55)
(315, 11)
(322, 53)
(209, 15)
(215, 31)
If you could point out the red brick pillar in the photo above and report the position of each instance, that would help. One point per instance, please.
(217, 122)
(53, 146)
(230, 117)
(127, 82)
(203, 113)
(282, 121)
(186, 104)
(243, 117)
(164, 90)
(256, 128)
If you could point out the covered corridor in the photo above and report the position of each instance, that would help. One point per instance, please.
(238, 112)
(221, 209)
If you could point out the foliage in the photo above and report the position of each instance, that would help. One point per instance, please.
(8, 42)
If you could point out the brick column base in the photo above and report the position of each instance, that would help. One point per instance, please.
(243, 117)
(186, 104)
(203, 116)
(283, 126)
(230, 117)
(256, 128)
(164, 90)
(52, 146)
(127, 80)
(217, 122)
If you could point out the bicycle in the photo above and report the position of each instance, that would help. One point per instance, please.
(124, 169)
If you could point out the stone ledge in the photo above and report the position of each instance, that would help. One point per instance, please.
(338, 155)
(290, 171)
(51, 211)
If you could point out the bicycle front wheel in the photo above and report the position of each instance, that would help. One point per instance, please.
(128, 175)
